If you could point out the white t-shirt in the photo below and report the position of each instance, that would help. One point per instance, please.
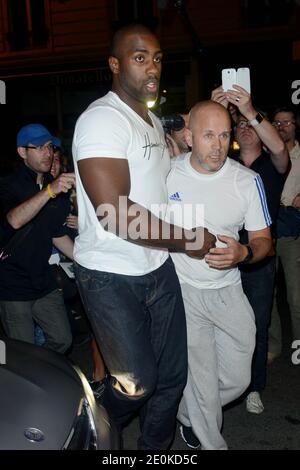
(110, 128)
(226, 201)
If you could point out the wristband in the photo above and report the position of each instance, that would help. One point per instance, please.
(257, 120)
(51, 194)
(248, 257)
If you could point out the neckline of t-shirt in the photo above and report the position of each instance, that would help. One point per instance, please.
(136, 115)
(203, 176)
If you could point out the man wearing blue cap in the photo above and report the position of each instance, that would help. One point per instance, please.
(34, 220)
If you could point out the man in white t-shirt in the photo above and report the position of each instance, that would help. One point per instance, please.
(207, 188)
(126, 278)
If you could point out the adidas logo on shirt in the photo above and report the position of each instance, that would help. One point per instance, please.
(175, 197)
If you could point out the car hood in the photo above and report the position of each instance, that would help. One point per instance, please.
(39, 398)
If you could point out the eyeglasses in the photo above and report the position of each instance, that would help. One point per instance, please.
(243, 125)
(283, 123)
(40, 148)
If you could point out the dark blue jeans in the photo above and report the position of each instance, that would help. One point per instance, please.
(258, 285)
(139, 323)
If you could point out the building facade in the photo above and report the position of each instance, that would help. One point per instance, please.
(53, 53)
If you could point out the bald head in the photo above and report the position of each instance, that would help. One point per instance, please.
(209, 136)
(121, 36)
(204, 109)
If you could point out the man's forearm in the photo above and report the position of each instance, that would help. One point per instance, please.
(27, 210)
(65, 245)
(272, 140)
(135, 223)
(260, 247)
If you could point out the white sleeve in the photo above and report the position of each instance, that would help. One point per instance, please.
(257, 216)
(101, 132)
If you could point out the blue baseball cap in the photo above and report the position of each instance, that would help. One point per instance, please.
(36, 134)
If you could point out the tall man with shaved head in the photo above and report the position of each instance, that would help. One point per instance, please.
(126, 278)
(220, 320)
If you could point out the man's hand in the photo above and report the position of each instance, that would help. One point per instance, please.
(267, 133)
(63, 183)
(204, 238)
(242, 99)
(219, 96)
(72, 221)
(296, 201)
(228, 257)
(173, 148)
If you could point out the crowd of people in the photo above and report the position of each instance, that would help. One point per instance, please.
(175, 246)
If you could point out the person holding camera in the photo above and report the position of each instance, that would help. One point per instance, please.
(254, 133)
(175, 135)
(33, 222)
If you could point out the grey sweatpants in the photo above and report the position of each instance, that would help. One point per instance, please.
(221, 340)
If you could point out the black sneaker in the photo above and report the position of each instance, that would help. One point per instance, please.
(189, 437)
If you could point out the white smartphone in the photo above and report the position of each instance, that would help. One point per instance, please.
(243, 78)
(239, 77)
(228, 79)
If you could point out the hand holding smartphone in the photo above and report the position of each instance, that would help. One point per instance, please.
(239, 77)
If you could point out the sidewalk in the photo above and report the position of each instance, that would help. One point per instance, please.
(277, 428)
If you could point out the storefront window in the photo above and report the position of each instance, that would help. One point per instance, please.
(26, 24)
